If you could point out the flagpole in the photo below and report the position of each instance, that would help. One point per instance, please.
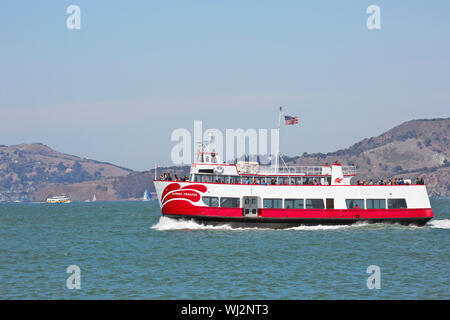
(278, 142)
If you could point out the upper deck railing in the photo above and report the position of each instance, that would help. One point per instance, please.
(304, 170)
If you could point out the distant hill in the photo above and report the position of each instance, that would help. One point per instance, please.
(26, 168)
(129, 187)
(414, 148)
(417, 148)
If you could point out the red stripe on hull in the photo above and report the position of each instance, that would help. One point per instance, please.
(346, 213)
(185, 208)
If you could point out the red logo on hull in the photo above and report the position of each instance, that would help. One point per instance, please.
(174, 191)
(338, 180)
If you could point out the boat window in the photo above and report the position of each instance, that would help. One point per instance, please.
(211, 201)
(272, 203)
(397, 204)
(375, 204)
(229, 202)
(233, 179)
(293, 203)
(283, 180)
(206, 178)
(314, 204)
(354, 203)
(248, 180)
(299, 180)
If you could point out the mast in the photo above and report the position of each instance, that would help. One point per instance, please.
(277, 156)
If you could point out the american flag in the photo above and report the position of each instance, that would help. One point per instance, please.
(290, 120)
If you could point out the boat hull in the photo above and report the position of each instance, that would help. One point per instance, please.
(283, 223)
(184, 200)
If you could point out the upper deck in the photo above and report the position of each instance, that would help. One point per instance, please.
(209, 167)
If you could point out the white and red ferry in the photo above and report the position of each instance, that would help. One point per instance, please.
(250, 194)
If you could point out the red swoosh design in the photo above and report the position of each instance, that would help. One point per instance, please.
(198, 187)
(189, 192)
(170, 187)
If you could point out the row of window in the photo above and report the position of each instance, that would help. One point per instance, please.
(376, 203)
(230, 202)
(261, 180)
(293, 204)
(225, 202)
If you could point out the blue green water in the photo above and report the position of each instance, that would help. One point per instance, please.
(125, 250)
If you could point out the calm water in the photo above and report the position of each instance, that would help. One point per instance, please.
(126, 250)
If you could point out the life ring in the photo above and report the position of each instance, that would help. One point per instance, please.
(219, 169)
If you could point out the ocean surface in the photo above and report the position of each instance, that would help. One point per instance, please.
(126, 250)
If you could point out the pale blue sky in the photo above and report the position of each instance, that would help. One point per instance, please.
(116, 89)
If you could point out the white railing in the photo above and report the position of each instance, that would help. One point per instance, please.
(304, 170)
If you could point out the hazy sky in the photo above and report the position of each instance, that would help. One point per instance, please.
(136, 70)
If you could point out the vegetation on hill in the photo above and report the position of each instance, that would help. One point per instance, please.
(26, 168)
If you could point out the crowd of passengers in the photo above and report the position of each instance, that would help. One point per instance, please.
(315, 182)
(168, 177)
(395, 181)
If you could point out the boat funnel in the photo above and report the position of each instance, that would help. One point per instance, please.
(337, 176)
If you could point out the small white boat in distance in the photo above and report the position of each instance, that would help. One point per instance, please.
(59, 199)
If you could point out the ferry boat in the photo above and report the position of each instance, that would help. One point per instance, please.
(254, 195)
(59, 199)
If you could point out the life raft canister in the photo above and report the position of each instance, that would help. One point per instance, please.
(218, 169)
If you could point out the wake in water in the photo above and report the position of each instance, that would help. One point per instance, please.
(166, 223)
(439, 224)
